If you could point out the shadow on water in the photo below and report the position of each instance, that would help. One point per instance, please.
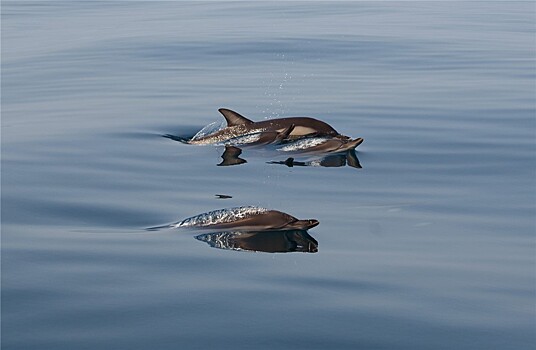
(262, 241)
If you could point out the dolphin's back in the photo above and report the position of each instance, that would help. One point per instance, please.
(302, 126)
(220, 217)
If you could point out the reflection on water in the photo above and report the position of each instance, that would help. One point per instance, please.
(231, 156)
(316, 158)
(329, 161)
(223, 196)
(262, 241)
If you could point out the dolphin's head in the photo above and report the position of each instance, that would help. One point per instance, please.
(302, 224)
(342, 137)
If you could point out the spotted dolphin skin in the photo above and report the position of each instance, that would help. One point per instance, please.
(321, 145)
(244, 219)
(267, 131)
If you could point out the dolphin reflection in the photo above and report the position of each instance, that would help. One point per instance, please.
(329, 161)
(231, 156)
(262, 241)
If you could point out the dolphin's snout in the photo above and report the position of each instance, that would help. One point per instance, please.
(302, 224)
(312, 223)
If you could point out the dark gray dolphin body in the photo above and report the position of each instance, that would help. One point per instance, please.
(263, 241)
(268, 131)
(245, 219)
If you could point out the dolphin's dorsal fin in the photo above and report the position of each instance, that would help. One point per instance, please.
(234, 118)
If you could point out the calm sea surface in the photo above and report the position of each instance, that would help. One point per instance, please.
(431, 245)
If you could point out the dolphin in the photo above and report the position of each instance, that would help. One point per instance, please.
(248, 218)
(268, 131)
(337, 144)
(263, 241)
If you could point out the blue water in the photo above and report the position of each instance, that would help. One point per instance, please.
(430, 245)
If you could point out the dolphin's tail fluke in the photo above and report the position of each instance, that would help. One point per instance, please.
(176, 138)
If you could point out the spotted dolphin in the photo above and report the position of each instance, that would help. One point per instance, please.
(323, 144)
(248, 218)
(268, 131)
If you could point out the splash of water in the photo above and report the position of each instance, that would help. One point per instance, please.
(209, 129)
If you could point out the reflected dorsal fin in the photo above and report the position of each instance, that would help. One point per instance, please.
(231, 156)
(233, 118)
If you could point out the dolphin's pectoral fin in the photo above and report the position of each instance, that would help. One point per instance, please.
(231, 156)
(234, 118)
(285, 133)
(351, 159)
